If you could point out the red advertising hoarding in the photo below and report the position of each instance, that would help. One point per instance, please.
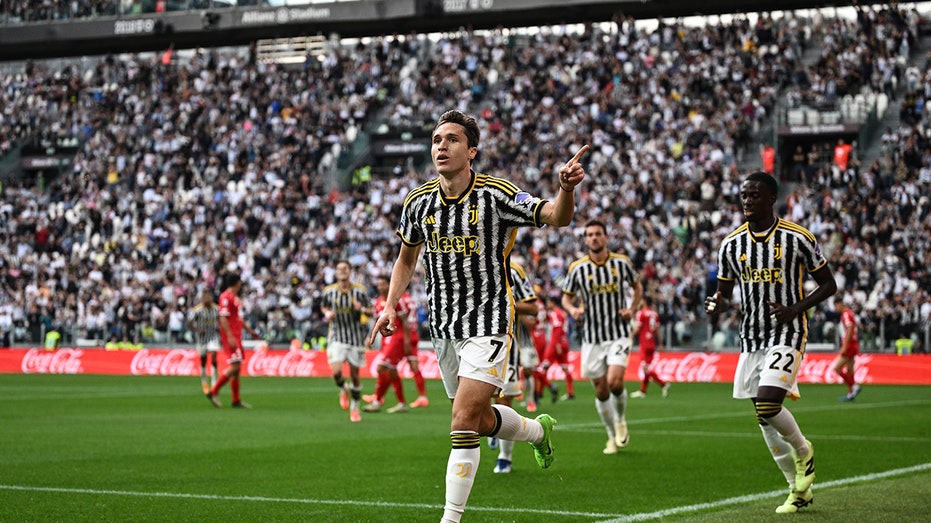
(676, 366)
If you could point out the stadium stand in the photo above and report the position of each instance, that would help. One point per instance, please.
(216, 159)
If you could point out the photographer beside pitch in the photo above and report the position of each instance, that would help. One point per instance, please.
(466, 223)
(767, 255)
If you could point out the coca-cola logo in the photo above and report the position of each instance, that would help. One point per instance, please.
(426, 363)
(291, 363)
(62, 361)
(165, 363)
(822, 371)
(693, 367)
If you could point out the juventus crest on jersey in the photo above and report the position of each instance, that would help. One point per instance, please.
(762, 264)
(467, 241)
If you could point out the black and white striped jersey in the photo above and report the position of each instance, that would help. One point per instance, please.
(603, 289)
(770, 268)
(467, 241)
(523, 291)
(206, 321)
(347, 326)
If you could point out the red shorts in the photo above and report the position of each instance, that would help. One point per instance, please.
(646, 355)
(851, 352)
(392, 350)
(561, 357)
(234, 354)
(539, 343)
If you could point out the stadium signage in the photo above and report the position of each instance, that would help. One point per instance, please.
(820, 129)
(164, 363)
(45, 162)
(462, 6)
(686, 367)
(398, 148)
(285, 15)
(292, 363)
(135, 26)
(64, 361)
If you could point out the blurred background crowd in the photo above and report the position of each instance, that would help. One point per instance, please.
(190, 165)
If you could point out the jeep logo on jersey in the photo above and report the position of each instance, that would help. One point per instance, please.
(768, 275)
(467, 245)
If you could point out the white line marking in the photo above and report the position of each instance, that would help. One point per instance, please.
(344, 502)
(810, 435)
(625, 518)
(646, 516)
(748, 412)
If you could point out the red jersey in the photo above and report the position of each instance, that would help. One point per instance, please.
(230, 308)
(557, 351)
(649, 326)
(848, 323)
(557, 318)
(405, 309)
(538, 333)
(393, 346)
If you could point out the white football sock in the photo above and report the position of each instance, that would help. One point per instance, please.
(607, 412)
(621, 403)
(515, 427)
(460, 474)
(506, 446)
(785, 423)
(780, 449)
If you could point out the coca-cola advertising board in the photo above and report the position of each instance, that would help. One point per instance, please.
(675, 366)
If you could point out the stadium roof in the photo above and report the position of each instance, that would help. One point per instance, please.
(224, 25)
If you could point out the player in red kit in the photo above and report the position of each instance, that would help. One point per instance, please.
(646, 329)
(557, 351)
(394, 348)
(231, 326)
(535, 379)
(413, 357)
(849, 348)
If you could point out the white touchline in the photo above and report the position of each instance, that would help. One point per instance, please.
(646, 516)
(357, 503)
(616, 518)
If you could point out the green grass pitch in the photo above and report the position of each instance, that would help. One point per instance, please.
(95, 448)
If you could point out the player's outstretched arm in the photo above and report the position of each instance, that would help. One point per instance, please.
(559, 211)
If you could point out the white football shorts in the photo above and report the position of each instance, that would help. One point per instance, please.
(483, 358)
(338, 352)
(776, 367)
(597, 357)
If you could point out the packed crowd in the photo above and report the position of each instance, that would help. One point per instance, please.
(873, 52)
(219, 163)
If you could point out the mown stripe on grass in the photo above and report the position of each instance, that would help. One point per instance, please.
(646, 516)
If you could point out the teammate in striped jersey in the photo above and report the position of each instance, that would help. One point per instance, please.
(595, 295)
(204, 321)
(768, 257)
(466, 223)
(521, 352)
(344, 305)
